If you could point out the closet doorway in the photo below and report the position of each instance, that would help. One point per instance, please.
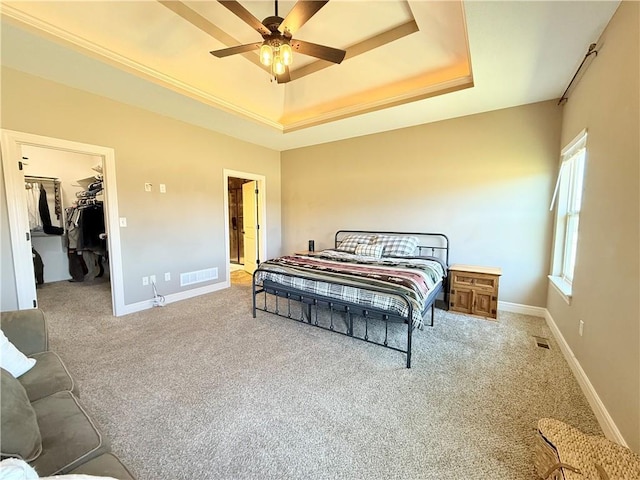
(60, 221)
(245, 223)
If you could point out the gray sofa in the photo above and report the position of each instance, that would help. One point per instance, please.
(43, 422)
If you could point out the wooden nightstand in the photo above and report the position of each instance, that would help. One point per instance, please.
(304, 252)
(474, 290)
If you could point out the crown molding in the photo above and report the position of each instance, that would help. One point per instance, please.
(68, 39)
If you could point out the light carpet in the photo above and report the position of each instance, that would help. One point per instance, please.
(200, 390)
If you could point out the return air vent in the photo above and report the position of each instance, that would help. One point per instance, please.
(199, 276)
(542, 342)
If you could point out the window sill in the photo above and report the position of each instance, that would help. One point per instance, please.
(563, 288)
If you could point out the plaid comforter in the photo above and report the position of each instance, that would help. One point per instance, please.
(413, 277)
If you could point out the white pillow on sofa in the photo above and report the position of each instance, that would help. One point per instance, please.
(16, 469)
(12, 359)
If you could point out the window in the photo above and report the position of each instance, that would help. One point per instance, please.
(568, 195)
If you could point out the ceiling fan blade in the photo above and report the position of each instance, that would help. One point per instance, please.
(285, 77)
(225, 52)
(319, 51)
(299, 15)
(246, 16)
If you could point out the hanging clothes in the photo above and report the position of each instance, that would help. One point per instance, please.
(86, 250)
(33, 209)
(45, 216)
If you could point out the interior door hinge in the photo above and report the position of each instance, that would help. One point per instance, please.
(35, 304)
(257, 191)
(19, 165)
(27, 236)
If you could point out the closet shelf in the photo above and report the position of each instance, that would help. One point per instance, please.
(85, 182)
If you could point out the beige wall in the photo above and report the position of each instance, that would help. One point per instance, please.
(484, 180)
(180, 231)
(606, 291)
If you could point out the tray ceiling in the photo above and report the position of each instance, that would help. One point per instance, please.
(400, 55)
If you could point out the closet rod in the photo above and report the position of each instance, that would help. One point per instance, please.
(33, 177)
(592, 49)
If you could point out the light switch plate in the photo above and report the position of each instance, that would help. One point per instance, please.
(123, 221)
(147, 187)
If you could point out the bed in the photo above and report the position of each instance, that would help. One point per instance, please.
(371, 286)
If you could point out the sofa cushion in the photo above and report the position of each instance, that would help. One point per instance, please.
(26, 329)
(12, 359)
(106, 464)
(19, 433)
(69, 436)
(48, 376)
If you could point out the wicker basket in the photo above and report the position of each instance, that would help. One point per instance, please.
(547, 463)
(564, 453)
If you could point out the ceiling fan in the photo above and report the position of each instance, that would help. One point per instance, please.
(276, 49)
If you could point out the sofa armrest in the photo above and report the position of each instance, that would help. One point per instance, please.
(26, 329)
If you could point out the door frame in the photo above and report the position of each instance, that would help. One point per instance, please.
(10, 145)
(262, 212)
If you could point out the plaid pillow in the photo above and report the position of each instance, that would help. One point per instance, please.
(374, 251)
(350, 242)
(397, 246)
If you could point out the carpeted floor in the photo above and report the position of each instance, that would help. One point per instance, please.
(200, 390)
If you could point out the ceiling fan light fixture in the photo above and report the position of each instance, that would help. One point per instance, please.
(266, 54)
(286, 54)
(278, 65)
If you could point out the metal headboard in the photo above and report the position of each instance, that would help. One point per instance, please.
(436, 250)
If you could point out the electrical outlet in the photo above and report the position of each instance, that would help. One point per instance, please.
(167, 276)
(581, 328)
(152, 279)
(145, 280)
(163, 188)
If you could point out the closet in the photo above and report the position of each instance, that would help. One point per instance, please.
(64, 193)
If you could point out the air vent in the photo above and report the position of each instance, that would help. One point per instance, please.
(199, 276)
(542, 342)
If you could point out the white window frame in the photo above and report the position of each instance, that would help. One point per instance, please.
(568, 195)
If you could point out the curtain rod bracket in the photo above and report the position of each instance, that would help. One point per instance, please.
(592, 50)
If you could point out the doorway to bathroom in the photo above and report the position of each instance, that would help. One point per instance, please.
(246, 224)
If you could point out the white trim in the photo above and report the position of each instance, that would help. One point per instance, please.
(562, 287)
(262, 197)
(581, 137)
(522, 309)
(607, 424)
(18, 223)
(176, 297)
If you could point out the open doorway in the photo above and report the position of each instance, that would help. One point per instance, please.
(236, 219)
(245, 224)
(49, 184)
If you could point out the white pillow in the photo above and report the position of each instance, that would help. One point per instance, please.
(16, 469)
(76, 476)
(12, 359)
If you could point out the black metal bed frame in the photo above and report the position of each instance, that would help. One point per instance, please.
(310, 302)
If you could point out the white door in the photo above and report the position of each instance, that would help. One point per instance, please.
(250, 225)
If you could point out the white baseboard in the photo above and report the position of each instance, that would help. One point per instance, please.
(174, 297)
(607, 424)
(523, 309)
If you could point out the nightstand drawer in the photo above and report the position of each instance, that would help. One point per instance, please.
(477, 280)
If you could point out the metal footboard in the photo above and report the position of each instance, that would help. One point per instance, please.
(305, 307)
